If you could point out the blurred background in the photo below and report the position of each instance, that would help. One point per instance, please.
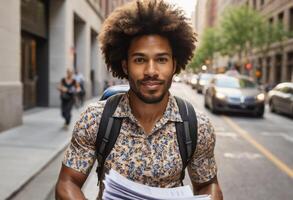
(241, 76)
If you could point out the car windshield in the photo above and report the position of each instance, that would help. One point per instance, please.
(231, 82)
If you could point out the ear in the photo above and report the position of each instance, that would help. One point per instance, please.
(124, 67)
(174, 65)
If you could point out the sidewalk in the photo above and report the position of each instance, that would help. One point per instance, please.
(26, 150)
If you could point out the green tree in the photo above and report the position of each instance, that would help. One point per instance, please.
(206, 50)
(238, 28)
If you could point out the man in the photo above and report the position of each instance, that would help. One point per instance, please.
(146, 42)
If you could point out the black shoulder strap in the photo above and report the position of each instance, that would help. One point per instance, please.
(186, 132)
(108, 132)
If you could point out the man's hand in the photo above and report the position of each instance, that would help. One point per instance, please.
(69, 184)
(212, 187)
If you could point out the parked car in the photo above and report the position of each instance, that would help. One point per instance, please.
(280, 98)
(202, 81)
(110, 91)
(234, 94)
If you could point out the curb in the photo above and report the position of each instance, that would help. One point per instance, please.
(54, 155)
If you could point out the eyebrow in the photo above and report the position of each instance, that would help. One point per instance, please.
(142, 54)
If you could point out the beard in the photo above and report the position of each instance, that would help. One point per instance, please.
(151, 97)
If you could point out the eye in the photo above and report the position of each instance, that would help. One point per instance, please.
(162, 60)
(139, 60)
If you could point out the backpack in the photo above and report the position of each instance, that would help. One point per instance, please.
(109, 130)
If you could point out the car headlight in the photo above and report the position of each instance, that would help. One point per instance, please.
(220, 96)
(193, 81)
(202, 82)
(260, 97)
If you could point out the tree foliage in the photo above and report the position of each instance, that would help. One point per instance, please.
(208, 46)
(240, 31)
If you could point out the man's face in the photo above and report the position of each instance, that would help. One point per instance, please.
(150, 67)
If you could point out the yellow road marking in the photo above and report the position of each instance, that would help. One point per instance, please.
(281, 165)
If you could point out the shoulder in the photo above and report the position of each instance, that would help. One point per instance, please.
(205, 132)
(90, 118)
(203, 121)
(93, 111)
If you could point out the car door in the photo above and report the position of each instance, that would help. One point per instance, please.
(277, 98)
(286, 100)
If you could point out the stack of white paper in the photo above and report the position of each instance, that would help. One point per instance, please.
(117, 187)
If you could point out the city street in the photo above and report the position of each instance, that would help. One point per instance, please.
(60, 56)
(254, 156)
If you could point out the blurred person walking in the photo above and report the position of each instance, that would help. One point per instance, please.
(67, 87)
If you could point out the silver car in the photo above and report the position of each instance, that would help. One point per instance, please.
(280, 98)
(202, 81)
(234, 94)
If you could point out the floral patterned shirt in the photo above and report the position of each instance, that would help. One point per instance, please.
(152, 159)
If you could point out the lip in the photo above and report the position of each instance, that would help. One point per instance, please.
(151, 84)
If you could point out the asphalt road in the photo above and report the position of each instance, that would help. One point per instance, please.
(254, 156)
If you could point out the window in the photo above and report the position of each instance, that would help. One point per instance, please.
(291, 20)
(262, 2)
(280, 18)
(271, 21)
(287, 90)
(254, 4)
(289, 70)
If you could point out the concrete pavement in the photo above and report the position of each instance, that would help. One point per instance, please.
(27, 149)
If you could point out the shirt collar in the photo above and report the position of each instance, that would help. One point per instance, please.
(171, 113)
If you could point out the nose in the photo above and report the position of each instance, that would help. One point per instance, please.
(151, 68)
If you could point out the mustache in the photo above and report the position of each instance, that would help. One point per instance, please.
(151, 79)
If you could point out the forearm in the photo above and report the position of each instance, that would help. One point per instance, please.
(213, 189)
(68, 191)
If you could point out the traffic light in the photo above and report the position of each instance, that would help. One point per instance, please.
(258, 73)
(248, 66)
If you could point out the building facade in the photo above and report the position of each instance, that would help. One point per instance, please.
(39, 40)
(200, 17)
(278, 65)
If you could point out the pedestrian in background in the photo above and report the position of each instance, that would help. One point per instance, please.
(67, 87)
(78, 77)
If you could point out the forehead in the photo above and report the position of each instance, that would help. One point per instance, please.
(150, 44)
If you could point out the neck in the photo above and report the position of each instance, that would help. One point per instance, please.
(145, 112)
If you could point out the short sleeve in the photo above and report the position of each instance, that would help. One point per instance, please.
(202, 167)
(80, 154)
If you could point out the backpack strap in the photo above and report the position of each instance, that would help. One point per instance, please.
(108, 132)
(186, 132)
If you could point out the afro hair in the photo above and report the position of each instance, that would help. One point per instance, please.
(145, 17)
